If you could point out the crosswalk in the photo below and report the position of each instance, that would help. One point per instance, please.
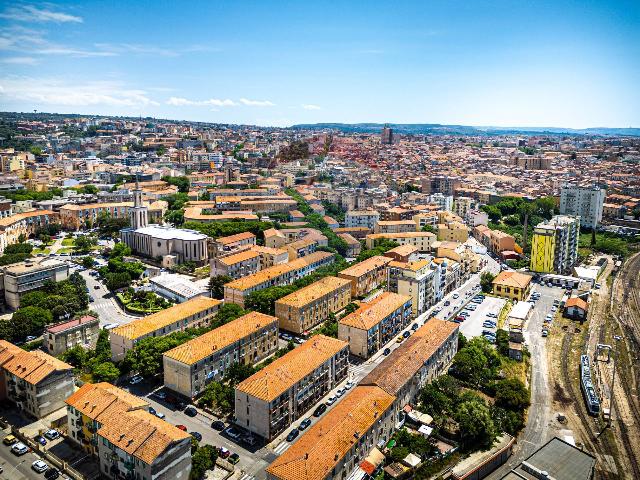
(281, 447)
(356, 371)
(246, 476)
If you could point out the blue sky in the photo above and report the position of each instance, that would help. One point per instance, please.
(503, 63)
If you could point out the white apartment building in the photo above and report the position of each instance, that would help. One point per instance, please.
(584, 201)
(361, 218)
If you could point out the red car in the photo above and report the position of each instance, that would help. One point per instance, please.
(182, 427)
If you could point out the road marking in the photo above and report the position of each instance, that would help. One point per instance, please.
(246, 476)
(281, 448)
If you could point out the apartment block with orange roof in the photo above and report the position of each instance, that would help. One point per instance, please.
(375, 323)
(236, 265)
(35, 381)
(366, 275)
(189, 367)
(270, 400)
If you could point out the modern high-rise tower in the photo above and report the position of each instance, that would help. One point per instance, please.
(386, 136)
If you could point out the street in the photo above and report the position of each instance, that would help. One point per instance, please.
(14, 467)
(104, 303)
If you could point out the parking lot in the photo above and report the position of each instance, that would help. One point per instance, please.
(489, 309)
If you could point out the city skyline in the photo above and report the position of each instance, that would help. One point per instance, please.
(560, 65)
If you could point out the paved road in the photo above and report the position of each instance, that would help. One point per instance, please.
(104, 303)
(540, 417)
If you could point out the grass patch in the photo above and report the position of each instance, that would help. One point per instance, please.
(67, 242)
(66, 250)
(44, 251)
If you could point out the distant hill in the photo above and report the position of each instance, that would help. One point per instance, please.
(439, 129)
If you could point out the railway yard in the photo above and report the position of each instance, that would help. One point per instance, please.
(611, 340)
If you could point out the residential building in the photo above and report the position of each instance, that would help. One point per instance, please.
(423, 241)
(353, 245)
(554, 247)
(223, 245)
(270, 256)
(336, 444)
(425, 219)
(576, 308)
(247, 340)
(236, 265)
(394, 226)
(512, 284)
(417, 361)
(463, 205)
(587, 202)
(285, 274)
(176, 288)
(445, 184)
(78, 216)
(419, 280)
(306, 308)
(403, 253)
(197, 312)
(375, 323)
(80, 332)
(23, 224)
(386, 137)
(301, 248)
(19, 278)
(35, 381)
(361, 218)
(129, 441)
(270, 400)
(366, 275)
(452, 232)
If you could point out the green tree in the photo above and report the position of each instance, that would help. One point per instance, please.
(429, 228)
(216, 285)
(89, 189)
(502, 342)
(85, 243)
(477, 362)
(30, 320)
(88, 262)
(202, 460)
(227, 313)
(105, 372)
(512, 394)
(181, 182)
(486, 279)
(476, 425)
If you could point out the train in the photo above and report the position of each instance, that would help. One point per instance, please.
(588, 391)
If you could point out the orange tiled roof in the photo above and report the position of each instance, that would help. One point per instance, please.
(32, 367)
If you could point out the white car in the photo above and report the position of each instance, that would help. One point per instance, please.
(52, 434)
(39, 466)
(348, 385)
(135, 379)
(331, 400)
(19, 448)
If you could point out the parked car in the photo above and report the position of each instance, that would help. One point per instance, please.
(349, 385)
(39, 466)
(19, 449)
(136, 379)
(233, 433)
(330, 401)
(197, 436)
(304, 424)
(30, 338)
(181, 427)
(414, 326)
(447, 303)
(52, 434)
(399, 339)
(249, 440)
(41, 440)
(340, 392)
(223, 452)
(9, 440)
(51, 474)
(233, 458)
(160, 415)
(152, 410)
(191, 411)
(285, 336)
(218, 425)
(386, 351)
(161, 395)
(293, 434)
(406, 334)
(460, 318)
(545, 332)
(320, 410)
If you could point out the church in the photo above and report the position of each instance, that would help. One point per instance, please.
(164, 243)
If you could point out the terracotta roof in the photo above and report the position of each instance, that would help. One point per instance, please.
(277, 377)
(151, 323)
(373, 312)
(7, 221)
(365, 266)
(509, 278)
(238, 257)
(235, 238)
(141, 434)
(577, 302)
(405, 361)
(103, 401)
(32, 367)
(62, 326)
(325, 444)
(204, 345)
(322, 287)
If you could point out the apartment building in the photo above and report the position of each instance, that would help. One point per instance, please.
(197, 312)
(463, 205)
(367, 275)
(335, 445)
(129, 442)
(419, 280)
(423, 241)
(285, 274)
(63, 336)
(20, 278)
(76, 217)
(496, 241)
(425, 219)
(301, 248)
(452, 232)
(353, 245)
(224, 245)
(270, 256)
(270, 400)
(512, 284)
(554, 247)
(375, 323)
(25, 224)
(35, 381)
(417, 361)
(189, 367)
(587, 202)
(308, 307)
(236, 265)
(444, 184)
(361, 218)
(394, 226)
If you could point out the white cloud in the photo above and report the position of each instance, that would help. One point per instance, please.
(52, 91)
(29, 42)
(215, 102)
(29, 13)
(309, 106)
(257, 103)
(20, 60)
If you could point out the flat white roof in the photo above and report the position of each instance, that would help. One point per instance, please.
(520, 310)
(169, 233)
(177, 284)
(589, 273)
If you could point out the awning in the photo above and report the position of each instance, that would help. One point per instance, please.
(425, 430)
(373, 461)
